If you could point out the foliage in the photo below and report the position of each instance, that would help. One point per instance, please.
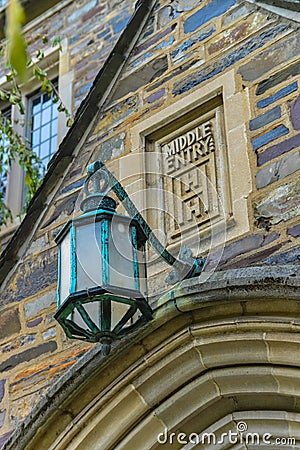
(16, 46)
(19, 67)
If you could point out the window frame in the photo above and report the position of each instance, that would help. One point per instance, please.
(6, 111)
(29, 123)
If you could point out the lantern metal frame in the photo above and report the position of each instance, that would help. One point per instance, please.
(101, 208)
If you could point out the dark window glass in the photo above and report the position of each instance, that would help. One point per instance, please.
(42, 128)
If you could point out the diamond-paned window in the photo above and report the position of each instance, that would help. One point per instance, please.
(42, 130)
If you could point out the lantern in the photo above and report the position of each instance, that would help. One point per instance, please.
(102, 288)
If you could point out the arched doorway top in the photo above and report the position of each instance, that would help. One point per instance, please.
(234, 326)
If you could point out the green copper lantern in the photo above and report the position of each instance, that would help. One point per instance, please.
(102, 288)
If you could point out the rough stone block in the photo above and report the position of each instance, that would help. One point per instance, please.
(294, 231)
(180, 52)
(36, 306)
(289, 257)
(156, 96)
(265, 119)
(278, 95)
(27, 355)
(2, 417)
(254, 258)
(279, 77)
(165, 14)
(61, 209)
(186, 5)
(235, 34)
(222, 63)
(49, 334)
(295, 113)
(120, 25)
(2, 389)
(244, 245)
(32, 277)
(213, 9)
(281, 204)
(83, 90)
(81, 11)
(4, 438)
(9, 323)
(141, 77)
(118, 113)
(264, 62)
(278, 170)
(269, 136)
(144, 46)
(278, 149)
(19, 342)
(40, 374)
(235, 14)
(112, 147)
(72, 186)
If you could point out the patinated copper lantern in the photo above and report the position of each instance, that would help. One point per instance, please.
(102, 288)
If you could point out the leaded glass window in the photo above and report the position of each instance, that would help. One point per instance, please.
(42, 130)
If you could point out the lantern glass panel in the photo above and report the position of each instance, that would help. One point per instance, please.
(121, 267)
(118, 310)
(65, 267)
(88, 253)
(92, 309)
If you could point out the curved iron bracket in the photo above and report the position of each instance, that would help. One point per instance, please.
(186, 266)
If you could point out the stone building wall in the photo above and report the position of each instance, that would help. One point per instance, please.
(184, 51)
(29, 340)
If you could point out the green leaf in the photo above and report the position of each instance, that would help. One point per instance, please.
(40, 54)
(21, 107)
(61, 107)
(57, 41)
(14, 99)
(39, 73)
(16, 46)
(4, 95)
(9, 77)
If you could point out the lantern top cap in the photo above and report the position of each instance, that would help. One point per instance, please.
(97, 198)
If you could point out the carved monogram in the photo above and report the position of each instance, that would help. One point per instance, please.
(191, 178)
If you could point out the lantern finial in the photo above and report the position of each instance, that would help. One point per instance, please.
(97, 198)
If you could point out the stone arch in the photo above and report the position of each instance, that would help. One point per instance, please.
(181, 394)
(215, 356)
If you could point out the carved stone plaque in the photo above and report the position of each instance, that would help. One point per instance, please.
(193, 174)
(190, 170)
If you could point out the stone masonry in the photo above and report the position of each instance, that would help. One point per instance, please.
(186, 45)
